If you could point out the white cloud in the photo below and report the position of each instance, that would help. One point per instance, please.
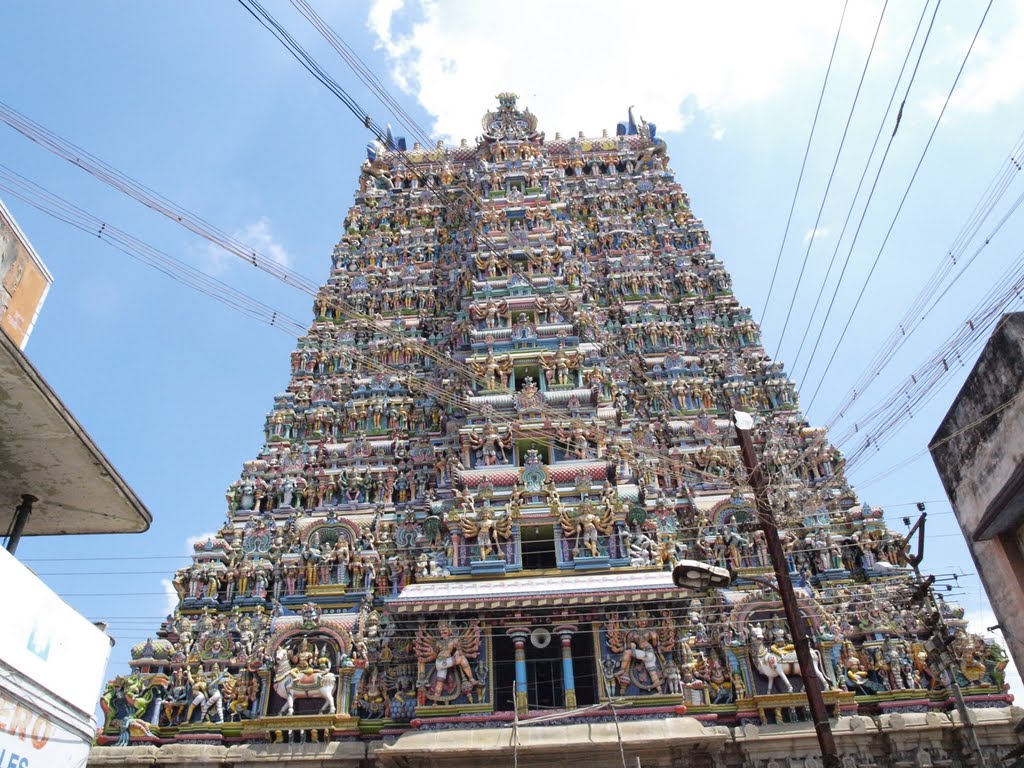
(170, 596)
(995, 71)
(818, 234)
(578, 66)
(259, 236)
(256, 235)
(215, 260)
(191, 541)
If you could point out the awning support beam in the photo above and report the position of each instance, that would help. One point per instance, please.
(21, 515)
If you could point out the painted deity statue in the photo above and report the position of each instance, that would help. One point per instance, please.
(641, 645)
(583, 525)
(450, 649)
(486, 530)
(491, 444)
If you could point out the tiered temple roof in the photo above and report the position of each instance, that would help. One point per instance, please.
(508, 420)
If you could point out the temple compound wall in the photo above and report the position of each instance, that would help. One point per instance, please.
(508, 422)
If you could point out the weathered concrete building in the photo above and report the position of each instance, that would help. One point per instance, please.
(979, 454)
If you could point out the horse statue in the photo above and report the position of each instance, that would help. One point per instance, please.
(774, 665)
(291, 684)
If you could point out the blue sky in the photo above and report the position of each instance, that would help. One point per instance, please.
(197, 101)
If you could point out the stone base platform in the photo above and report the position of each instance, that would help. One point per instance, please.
(905, 740)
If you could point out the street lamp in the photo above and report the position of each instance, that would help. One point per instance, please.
(693, 574)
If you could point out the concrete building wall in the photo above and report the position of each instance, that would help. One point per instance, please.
(979, 454)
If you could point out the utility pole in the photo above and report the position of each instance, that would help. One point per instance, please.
(816, 703)
(938, 645)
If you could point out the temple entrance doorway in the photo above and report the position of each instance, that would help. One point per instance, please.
(584, 665)
(545, 684)
(544, 675)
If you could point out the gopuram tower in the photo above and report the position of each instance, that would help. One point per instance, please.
(509, 419)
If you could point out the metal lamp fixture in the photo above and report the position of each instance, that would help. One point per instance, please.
(693, 574)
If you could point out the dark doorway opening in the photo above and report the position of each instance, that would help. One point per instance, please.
(544, 681)
(504, 671)
(538, 546)
(523, 448)
(524, 372)
(584, 666)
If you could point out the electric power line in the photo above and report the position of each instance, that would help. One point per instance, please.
(803, 164)
(933, 291)
(899, 209)
(831, 177)
(860, 184)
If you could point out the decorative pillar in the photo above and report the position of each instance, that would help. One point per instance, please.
(568, 679)
(522, 701)
(344, 694)
(265, 687)
(457, 547)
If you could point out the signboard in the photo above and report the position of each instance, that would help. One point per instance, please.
(31, 739)
(48, 641)
(52, 664)
(24, 281)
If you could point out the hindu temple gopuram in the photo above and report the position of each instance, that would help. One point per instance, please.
(509, 418)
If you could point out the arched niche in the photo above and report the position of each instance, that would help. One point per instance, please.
(325, 533)
(735, 508)
(309, 660)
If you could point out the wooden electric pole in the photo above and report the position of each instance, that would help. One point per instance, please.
(815, 701)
